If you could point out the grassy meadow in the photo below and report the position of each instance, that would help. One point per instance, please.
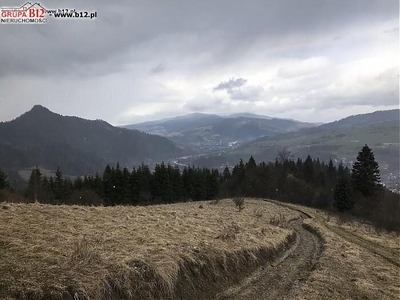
(62, 252)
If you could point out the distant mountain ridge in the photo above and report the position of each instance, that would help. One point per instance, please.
(340, 140)
(363, 119)
(206, 132)
(76, 145)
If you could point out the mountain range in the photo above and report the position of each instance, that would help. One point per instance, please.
(340, 140)
(208, 132)
(78, 146)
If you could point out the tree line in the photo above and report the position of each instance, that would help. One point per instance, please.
(308, 182)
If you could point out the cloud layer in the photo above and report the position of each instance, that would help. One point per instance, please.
(142, 60)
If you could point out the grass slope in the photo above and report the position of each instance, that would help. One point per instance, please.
(57, 252)
(348, 269)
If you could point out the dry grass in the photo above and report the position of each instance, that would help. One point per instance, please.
(364, 230)
(347, 270)
(97, 252)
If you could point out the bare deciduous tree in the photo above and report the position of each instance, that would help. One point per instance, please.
(284, 155)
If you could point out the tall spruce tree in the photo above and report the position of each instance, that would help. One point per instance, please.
(365, 173)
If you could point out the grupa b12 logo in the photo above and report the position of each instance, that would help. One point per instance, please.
(27, 13)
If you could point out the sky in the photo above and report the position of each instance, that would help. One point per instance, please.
(311, 60)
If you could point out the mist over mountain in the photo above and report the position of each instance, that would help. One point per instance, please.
(77, 146)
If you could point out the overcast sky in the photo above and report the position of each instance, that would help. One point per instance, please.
(312, 60)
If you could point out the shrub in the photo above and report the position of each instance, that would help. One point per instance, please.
(239, 202)
(7, 195)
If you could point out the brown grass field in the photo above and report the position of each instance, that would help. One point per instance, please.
(352, 268)
(76, 252)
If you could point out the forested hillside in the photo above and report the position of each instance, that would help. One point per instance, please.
(78, 146)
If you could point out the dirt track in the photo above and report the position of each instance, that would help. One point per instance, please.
(340, 274)
(276, 281)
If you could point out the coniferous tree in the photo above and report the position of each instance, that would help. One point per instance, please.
(365, 173)
(226, 175)
(67, 190)
(3, 180)
(176, 182)
(78, 183)
(108, 186)
(59, 186)
(331, 170)
(212, 184)
(126, 187)
(187, 181)
(238, 176)
(251, 178)
(134, 187)
(308, 168)
(341, 171)
(342, 198)
(145, 178)
(34, 184)
(98, 185)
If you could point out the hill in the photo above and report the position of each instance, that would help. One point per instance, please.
(77, 146)
(364, 119)
(340, 140)
(205, 133)
(343, 142)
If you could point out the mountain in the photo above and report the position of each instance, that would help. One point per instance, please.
(170, 126)
(205, 133)
(364, 119)
(249, 115)
(340, 140)
(77, 146)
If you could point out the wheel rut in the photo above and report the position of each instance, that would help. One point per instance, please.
(278, 279)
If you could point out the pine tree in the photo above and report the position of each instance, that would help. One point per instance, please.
(342, 198)
(108, 186)
(34, 184)
(226, 175)
(78, 183)
(3, 180)
(59, 186)
(308, 169)
(365, 173)
(134, 187)
(331, 170)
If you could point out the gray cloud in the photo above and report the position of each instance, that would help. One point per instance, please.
(106, 67)
(231, 84)
(158, 69)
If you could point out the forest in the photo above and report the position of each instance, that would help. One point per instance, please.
(357, 191)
